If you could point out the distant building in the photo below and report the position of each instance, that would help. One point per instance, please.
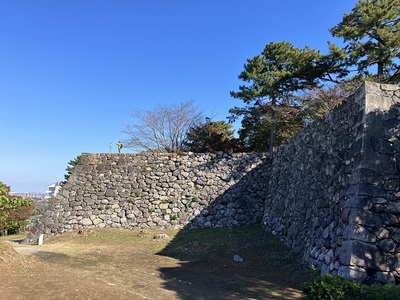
(53, 189)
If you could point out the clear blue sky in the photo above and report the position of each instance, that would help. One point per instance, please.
(71, 71)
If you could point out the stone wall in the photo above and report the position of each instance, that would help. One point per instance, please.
(159, 191)
(334, 190)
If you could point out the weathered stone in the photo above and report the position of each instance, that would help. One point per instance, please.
(378, 200)
(354, 273)
(385, 277)
(86, 222)
(393, 208)
(387, 245)
(162, 236)
(96, 221)
(110, 193)
(368, 256)
(394, 261)
(238, 259)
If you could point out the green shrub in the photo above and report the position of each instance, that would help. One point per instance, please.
(14, 210)
(330, 287)
(334, 287)
(382, 292)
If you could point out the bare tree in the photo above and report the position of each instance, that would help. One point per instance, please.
(162, 129)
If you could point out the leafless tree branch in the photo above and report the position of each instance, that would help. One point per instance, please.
(162, 129)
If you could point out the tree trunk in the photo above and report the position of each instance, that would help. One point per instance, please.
(380, 71)
(273, 126)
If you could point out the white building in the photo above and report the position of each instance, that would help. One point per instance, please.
(53, 189)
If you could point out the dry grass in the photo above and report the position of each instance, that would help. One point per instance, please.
(122, 264)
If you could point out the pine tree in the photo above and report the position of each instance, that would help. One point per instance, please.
(274, 77)
(372, 34)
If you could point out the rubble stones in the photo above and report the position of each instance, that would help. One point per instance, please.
(160, 191)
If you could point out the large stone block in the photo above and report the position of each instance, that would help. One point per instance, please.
(354, 273)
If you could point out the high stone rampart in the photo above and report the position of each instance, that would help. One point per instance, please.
(153, 190)
(332, 192)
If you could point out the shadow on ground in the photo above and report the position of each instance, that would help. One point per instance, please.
(208, 269)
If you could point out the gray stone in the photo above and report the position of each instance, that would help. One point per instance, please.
(384, 277)
(162, 236)
(238, 259)
(393, 208)
(387, 245)
(354, 273)
(328, 256)
(96, 221)
(368, 256)
(86, 222)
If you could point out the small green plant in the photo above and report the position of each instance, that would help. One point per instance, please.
(131, 201)
(195, 199)
(152, 209)
(330, 287)
(168, 200)
(384, 292)
(138, 193)
(334, 287)
(173, 217)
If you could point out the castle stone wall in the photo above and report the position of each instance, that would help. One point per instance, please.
(332, 192)
(159, 191)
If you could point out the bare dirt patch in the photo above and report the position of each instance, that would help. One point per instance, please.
(122, 264)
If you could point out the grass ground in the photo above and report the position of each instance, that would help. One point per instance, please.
(122, 264)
